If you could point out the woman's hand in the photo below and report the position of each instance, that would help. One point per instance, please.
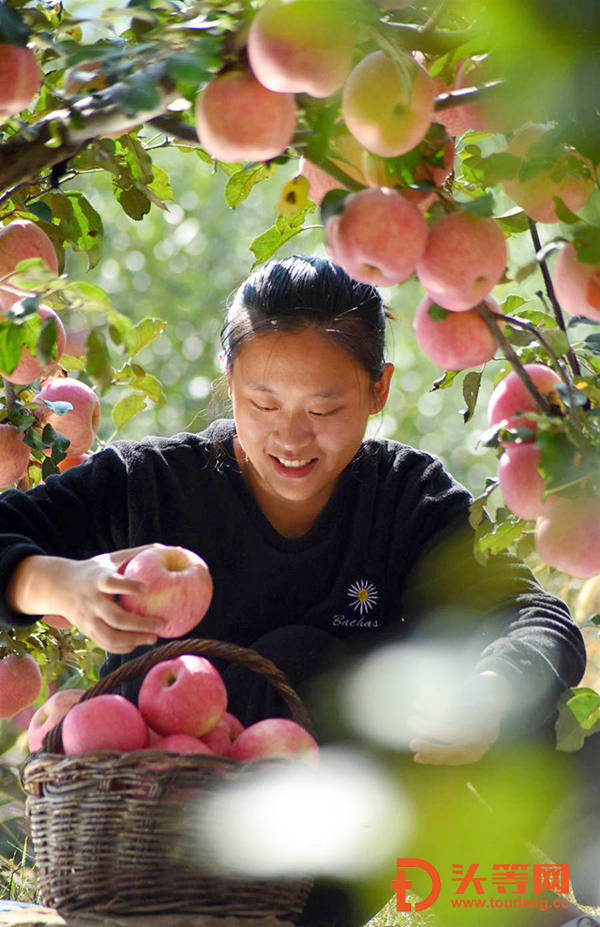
(463, 731)
(83, 592)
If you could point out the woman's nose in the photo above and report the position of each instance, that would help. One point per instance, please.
(294, 429)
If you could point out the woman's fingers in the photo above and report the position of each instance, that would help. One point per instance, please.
(117, 641)
(115, 584)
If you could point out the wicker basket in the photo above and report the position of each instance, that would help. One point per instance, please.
(111, 830)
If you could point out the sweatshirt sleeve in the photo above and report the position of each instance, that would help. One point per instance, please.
(78, 514)
(515, 627)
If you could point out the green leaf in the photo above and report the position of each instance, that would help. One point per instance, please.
(14, 337)
(471, 384)
(99, 366)
(141, 95)
(143, 334)
(482, 206)
(127, 407)
(161, 184)
(54, 439)
(445, 381)
(513, 221)
(92, 297)
(69, 362)
(495, 538)
(41, 210)
(13, 30)
(561, 464)
(578, 717)
(133, 202)
(46, 346)
(333, 204)
(135, 159)
(438, 313)
(59, 406)
(32, 274)
(587, 244)
(265, 246)
(488, 172)
(79, 223)
(240, 184)
(564, 213)
(145, 383)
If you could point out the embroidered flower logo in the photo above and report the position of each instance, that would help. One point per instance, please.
(363, 596)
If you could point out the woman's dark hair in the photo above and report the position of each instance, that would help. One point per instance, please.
(300, 292)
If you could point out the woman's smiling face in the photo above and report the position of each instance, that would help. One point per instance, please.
(301, 406)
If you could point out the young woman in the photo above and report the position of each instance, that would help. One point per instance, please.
(322, 545)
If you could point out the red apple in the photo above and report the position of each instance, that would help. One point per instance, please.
(218, 739)
(20, 79)
(179, 584)
(464, 258)
(388, 104)
(275, 737)
(72, 461)
(49, 714)
(14, 455)
(56, 621)
(302, 46)
(511, 396)
(520, 481)
(20, 683)
(235, 727)
(567, 536)
(237, 119)
(461, 339)
(185, 695)
(568, 178)
(181, 743)
(378, 238)
(20, 240)
(106, 722)
(30, 368)
(80, 424)
(577, 285)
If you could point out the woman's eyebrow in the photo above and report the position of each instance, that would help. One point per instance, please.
(320, 394)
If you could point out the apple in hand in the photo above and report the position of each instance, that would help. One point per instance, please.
(185, 695)
(275, 737)
(20, 683)
(49, 714)
(106, 722)
(179, 585)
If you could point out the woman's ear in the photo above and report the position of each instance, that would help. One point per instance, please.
(381, 389)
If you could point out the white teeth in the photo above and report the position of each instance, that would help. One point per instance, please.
(293, 463)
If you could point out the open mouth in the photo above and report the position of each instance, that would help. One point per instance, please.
(293, 468)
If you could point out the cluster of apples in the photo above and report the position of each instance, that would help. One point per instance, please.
(567, 531)
(20, 240)
(181, 708)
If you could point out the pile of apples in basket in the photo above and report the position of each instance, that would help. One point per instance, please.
(182, 702)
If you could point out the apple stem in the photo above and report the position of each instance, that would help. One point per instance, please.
(558, 313)
(528, 326)
(488, 317)
(435, 17)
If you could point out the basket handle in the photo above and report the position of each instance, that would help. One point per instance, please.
(139, 666)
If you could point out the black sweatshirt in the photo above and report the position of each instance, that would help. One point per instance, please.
(391, 546)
